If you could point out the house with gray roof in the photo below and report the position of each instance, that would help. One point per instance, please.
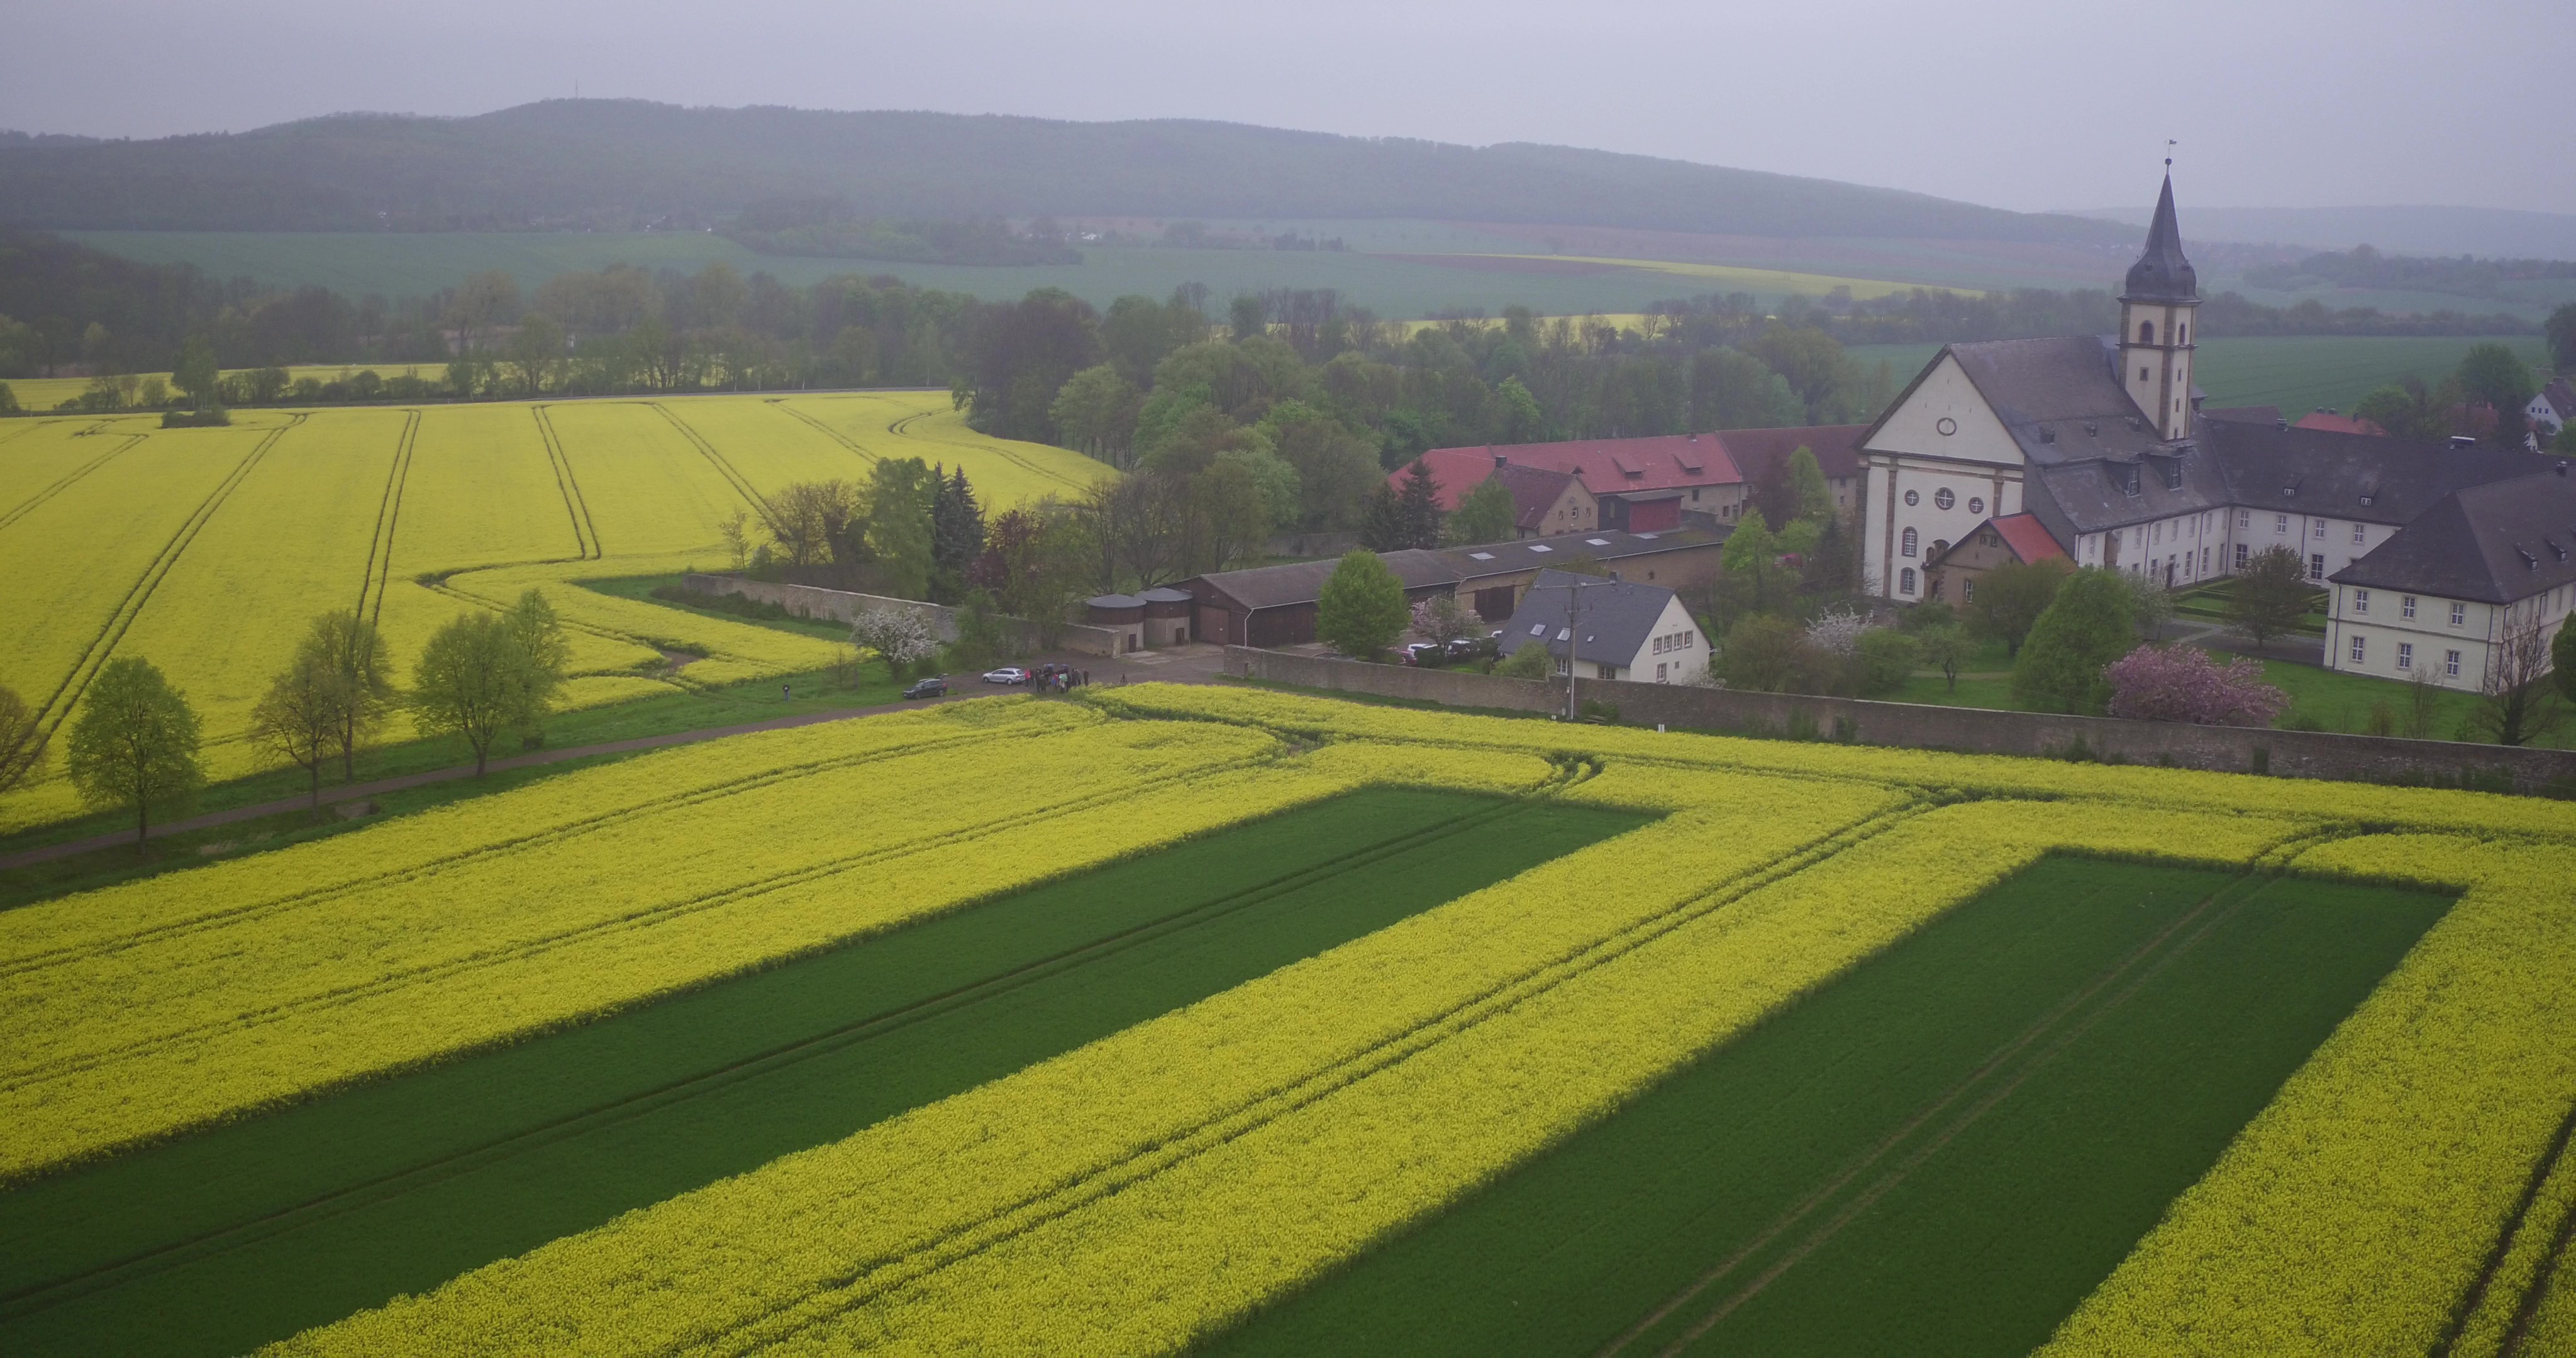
(1621, 629)
(2103, 441)
(2482, 571)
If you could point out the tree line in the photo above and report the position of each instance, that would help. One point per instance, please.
(135, 746)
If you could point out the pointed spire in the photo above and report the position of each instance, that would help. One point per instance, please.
(2161, 273)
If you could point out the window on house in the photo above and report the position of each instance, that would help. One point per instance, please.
(2241, 554)
(2357, 650)
(1976, 504)
(1905, 581)
(2459, 614)
(1968, 590)
(2280, 523)
(1905, 545)
(2357, 538)
(2142, 374)
(2361, 601)
(2146, 335)
(1943, 499)
(2182, 334)
(2317, 566)
(2204, 561)
(2244, 518)
(2406, 606)
(1913, 498)
(2318, 530)
(2451, 663)
(2406, 655)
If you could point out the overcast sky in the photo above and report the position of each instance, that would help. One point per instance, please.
(2027, 104)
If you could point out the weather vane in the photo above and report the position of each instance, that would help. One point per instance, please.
(2170, 143)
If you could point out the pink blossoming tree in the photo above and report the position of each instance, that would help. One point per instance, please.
(2182, 683)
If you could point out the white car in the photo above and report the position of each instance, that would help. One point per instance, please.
(1008, 674)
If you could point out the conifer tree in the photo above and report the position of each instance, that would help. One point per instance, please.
(1419, 503)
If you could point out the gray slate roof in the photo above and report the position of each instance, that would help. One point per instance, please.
(2493, 543)
(2319, 471)
(1613, 618)
(2060, 397)
(2161, 273)
(1609, 544)
(1302, 582)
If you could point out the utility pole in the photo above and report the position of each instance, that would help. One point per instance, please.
(1574, 586)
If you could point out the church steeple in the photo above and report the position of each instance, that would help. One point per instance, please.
(2156, 310)
(2161, 273)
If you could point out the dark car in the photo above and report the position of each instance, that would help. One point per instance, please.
(1420, 653)
(928, 688)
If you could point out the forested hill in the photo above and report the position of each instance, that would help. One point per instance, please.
(616, 164)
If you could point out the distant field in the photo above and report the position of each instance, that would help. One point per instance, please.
(206, 551)
(45, 393)
(400, 264)
(2296, 373)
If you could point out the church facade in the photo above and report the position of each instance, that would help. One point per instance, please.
(2102, 441)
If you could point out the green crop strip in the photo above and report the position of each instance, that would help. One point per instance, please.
(1941, 1152)
(250, 1232)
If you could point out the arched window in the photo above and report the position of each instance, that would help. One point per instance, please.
(2182, 333)
(1906, 548)
(2146, 332)
(1905, 581)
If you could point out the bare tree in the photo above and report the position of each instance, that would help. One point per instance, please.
(299, 718)
(2517, 703)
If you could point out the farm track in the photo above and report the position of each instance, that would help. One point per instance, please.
(585, 533)
(523, 950)
(2549, 1165)
(26, 963)
(644, 1103)
(827, 431)
(872, 1278)
(380, 549)
(68, 480)
(741, 484)
(903, 428)
(1902, 1151)
(58, 705)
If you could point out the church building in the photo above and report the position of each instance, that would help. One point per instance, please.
(2101, 442)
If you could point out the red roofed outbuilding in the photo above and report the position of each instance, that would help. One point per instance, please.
(1954, 568)
(2333, 423)
(1641, 484)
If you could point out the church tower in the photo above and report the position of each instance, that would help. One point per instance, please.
(2156, 310)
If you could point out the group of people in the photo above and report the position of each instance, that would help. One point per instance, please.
(1054, 678)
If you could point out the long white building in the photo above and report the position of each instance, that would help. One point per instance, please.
(2103, 440)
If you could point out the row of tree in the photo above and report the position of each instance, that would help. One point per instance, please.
(2485, 397)
(135, 745)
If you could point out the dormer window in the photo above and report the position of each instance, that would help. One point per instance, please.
(2529, 562)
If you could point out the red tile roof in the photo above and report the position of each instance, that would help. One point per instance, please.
(1836, 446)
(1664, 462)
(2028, 537)
(1605, 466)
(2333, 423)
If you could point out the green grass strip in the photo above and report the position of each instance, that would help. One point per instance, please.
(251, 1232)
(1941, 1152)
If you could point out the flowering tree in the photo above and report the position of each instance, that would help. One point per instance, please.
(1442, 619)
(902, 639)
(2182, 683)
(1836, 632)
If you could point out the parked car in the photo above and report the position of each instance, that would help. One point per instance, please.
(1008, 674)
(1420, 653)
(1465, 647)
(928, 688)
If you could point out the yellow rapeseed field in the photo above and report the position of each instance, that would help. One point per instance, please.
(1144, 1191)
(207, 551)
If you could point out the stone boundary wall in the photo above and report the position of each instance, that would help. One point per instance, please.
(2227, 749)
(841, 605)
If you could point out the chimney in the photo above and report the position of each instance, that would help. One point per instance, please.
(1501, 461)
(2282, 424)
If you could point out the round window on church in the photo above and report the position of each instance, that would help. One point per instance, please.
(1976, 505)
(1946, 425)
(1912, 498)
(1943, 499)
